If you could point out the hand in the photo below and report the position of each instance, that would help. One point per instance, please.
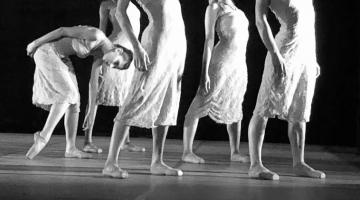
(141, 59)
(279, 66)
(31, 48)
(205, 84)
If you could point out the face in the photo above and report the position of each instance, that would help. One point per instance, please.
(116, 58)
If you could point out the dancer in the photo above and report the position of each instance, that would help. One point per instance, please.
(155, 93)
(224, 78)
(114, 84)
(55, 86)
(288, 81)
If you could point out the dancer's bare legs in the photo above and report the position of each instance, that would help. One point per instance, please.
(57, 111)
(296, 133)
(190, 126)
(257, 128)
(42, 137)
(71, 124)
(234, 131)
(119, 133)
(158, 166)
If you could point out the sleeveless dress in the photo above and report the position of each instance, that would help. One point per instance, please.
(227, 71)
(115, 84)
(155, 94)
(291, 99)
(54, 78)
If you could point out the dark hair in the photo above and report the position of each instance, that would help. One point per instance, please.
(129, 54)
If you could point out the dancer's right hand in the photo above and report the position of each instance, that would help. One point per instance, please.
(141, 59)
(279, 66)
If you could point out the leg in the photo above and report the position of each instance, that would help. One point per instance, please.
(158, 166)
(88, 126)
(296, 133)
(257, 128)
(131, 147)
(118, 136)
(40, 139)
(234, 131)
(71, 125)
(190, 126)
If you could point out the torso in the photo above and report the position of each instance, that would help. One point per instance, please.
(162, 13)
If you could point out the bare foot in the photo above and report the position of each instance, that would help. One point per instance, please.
(302, 169)
(115, 171)
(163, 169)
(39, 144)
(192, 158)
(76, 153)
(260, 172)
(237, 157)
(132, 148)
(92, 148)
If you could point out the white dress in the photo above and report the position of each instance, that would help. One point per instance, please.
(227, 71)
(54, 77)
(291, 99)
(155, 94)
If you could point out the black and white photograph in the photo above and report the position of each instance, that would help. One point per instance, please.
(180, 99)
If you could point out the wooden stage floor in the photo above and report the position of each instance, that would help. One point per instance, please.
(51, 176)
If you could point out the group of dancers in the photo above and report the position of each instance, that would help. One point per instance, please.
(144, 79)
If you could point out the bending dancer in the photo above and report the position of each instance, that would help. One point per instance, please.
(288, 81)
(155, 93)
(114, 84)
(224, 77)
(55, 86)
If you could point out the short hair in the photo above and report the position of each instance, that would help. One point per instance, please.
(128, 52)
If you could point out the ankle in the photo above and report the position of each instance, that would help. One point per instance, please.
(298, 163)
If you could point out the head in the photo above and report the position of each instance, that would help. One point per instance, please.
(118, 57)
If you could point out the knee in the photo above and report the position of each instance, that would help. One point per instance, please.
(74, 108)
(189, 117)
(258, 121)
(298, 126)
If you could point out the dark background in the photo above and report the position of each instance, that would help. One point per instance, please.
(335, 116)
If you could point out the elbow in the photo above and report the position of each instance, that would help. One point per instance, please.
(62, 31)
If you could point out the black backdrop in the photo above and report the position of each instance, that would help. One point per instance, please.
(335, 112)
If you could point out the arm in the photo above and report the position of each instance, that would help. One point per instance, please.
(93, 90)
(141, 59)
(103, 17)
(261, 9)
(210, 21)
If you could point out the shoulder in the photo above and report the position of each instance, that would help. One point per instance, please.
(93, 33)
(213, 9)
